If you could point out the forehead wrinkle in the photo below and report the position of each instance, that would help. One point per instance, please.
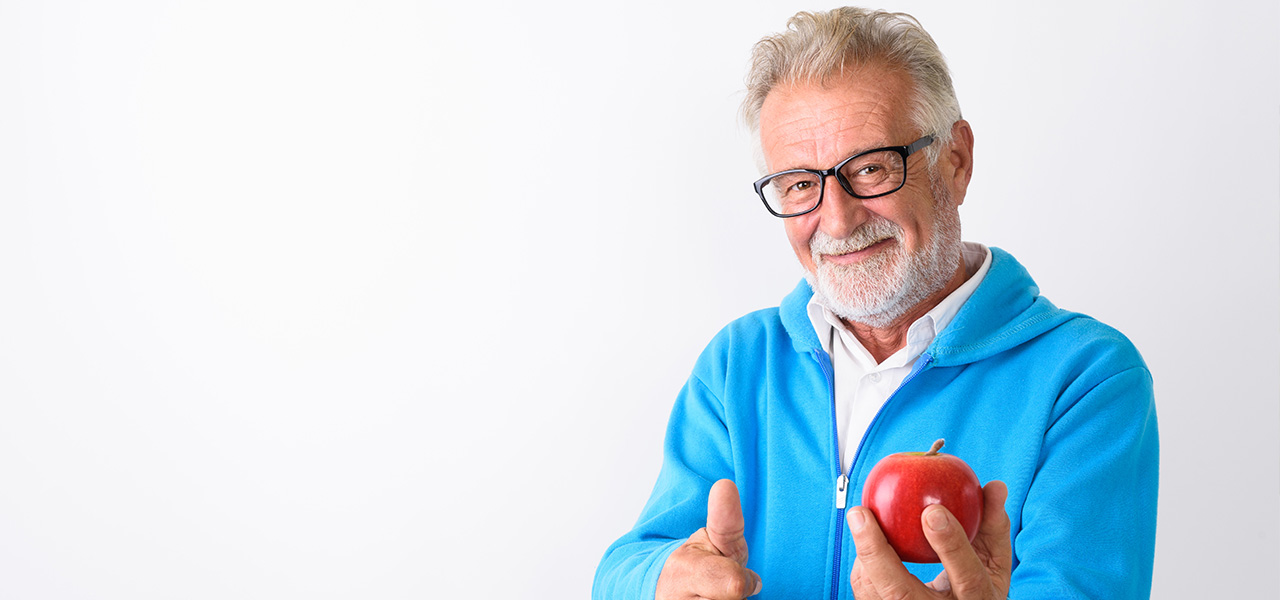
(819, 125)
(827, 138)
(876, 122)
(836, 145)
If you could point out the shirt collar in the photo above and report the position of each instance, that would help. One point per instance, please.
(977, 259)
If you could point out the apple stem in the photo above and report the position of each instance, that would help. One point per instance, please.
(933, 450)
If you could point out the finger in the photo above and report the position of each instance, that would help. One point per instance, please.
(725, 579)
(965, 571)
(880, 564)
(861, 584)
(941, 583)
(995, 521)
(992, 543)
(696, 570)
(725, 526)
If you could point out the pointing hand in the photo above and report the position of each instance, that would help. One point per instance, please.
(711, 564)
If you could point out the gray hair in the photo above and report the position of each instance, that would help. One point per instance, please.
(816, 46)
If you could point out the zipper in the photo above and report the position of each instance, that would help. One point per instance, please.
(920, 365)
(842, 478)
(842, 481)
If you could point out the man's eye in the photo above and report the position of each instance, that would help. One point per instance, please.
(868, 170)
(801, 186)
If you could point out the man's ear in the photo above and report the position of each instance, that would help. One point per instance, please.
(959, 156)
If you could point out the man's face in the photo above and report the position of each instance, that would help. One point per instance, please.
(870, 260)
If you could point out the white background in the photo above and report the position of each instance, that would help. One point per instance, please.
(391, 299)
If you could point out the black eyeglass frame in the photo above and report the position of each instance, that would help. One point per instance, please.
(905, 151)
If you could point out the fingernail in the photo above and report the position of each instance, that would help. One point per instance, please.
(759, 586)
(857, 519)
(936, 519)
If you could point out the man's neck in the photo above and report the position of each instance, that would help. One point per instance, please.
(882, 342)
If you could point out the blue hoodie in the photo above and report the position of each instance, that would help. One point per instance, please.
(1053, 403)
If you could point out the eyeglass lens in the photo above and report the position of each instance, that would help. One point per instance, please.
(872, 174)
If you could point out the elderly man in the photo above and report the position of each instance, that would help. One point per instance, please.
(900, 334)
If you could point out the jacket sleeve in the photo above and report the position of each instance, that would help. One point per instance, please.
(1089, 518)
(696, 454)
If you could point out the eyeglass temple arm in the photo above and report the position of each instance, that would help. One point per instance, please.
(918, 144)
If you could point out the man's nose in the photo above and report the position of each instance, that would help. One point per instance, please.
(841, 213)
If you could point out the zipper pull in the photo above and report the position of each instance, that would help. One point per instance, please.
(842, 491)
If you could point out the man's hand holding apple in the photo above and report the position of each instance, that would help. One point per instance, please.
(977, 571)
(712, 562)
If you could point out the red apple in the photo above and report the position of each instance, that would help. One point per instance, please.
(899, 488)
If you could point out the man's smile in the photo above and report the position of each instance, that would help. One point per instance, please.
(859, 255)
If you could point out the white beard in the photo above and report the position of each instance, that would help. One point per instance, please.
(882, 288)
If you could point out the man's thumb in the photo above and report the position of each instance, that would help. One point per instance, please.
(724, 521)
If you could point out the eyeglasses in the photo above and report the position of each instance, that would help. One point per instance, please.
(869, 174)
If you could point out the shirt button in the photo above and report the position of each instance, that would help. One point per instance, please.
(875, 377)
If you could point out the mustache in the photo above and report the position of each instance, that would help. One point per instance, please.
(875, 230)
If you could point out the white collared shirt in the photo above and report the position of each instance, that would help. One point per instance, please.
(862, 386)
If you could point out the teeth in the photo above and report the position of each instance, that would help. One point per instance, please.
(866, 236)
(869, 244)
